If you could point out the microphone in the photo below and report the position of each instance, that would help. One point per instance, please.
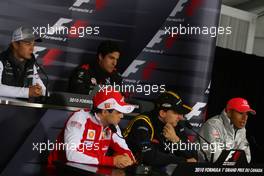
(114, 130)
(45, 74)
(139, 169)
(189, 126)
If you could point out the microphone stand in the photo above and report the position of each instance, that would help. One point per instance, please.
(189, 126)
(46, 76)
(139, 169)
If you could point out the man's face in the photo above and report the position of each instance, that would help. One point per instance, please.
(239, 119)
(170, 117)
(114, 117)
(23, 49)
(109, 61)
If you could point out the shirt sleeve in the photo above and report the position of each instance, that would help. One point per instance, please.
(12, 91)
(119, 144)
(74, 147)
(72, 139)
(244, 145)
(213, 135)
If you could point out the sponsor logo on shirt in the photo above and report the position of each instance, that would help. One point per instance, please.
(106, 134)
(75, 124)
(91, 134)
(93, 81)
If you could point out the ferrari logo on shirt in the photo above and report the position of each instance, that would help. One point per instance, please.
(91, 134)
(106, 134)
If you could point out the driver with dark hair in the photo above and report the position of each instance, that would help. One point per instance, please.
(89, 134)
(102, 71)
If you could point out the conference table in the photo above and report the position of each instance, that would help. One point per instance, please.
(43, 116)
(24, 123)
(183, 169)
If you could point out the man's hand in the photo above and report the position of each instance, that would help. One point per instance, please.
(35, 91)
(122, 161)
(170, 134)
(191, 160)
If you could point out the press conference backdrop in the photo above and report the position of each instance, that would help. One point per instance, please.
(181, 62)
(138, 26)
(150, 55)
(130, 23)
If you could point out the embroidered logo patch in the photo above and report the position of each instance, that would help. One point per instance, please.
(91, 134)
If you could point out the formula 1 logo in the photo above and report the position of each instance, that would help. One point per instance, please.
(190, 6)
(38, 50)
(47, 56)
(197, 109)
(59, 29)
(233, 155)
(80, 3)
(156, 39)
(133, 67)
(160, 37)
(178, 8)
(91, 6)
(66, 28)
(59, 26)
(232, 158)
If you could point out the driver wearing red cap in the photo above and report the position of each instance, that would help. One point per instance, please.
(90, 134)
(228, 129)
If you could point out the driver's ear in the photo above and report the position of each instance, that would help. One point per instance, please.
(228, 112)
(100, 57)
(162, 113)
(14, 45)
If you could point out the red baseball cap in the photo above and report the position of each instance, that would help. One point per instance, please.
(111, 99)
(240, 105)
